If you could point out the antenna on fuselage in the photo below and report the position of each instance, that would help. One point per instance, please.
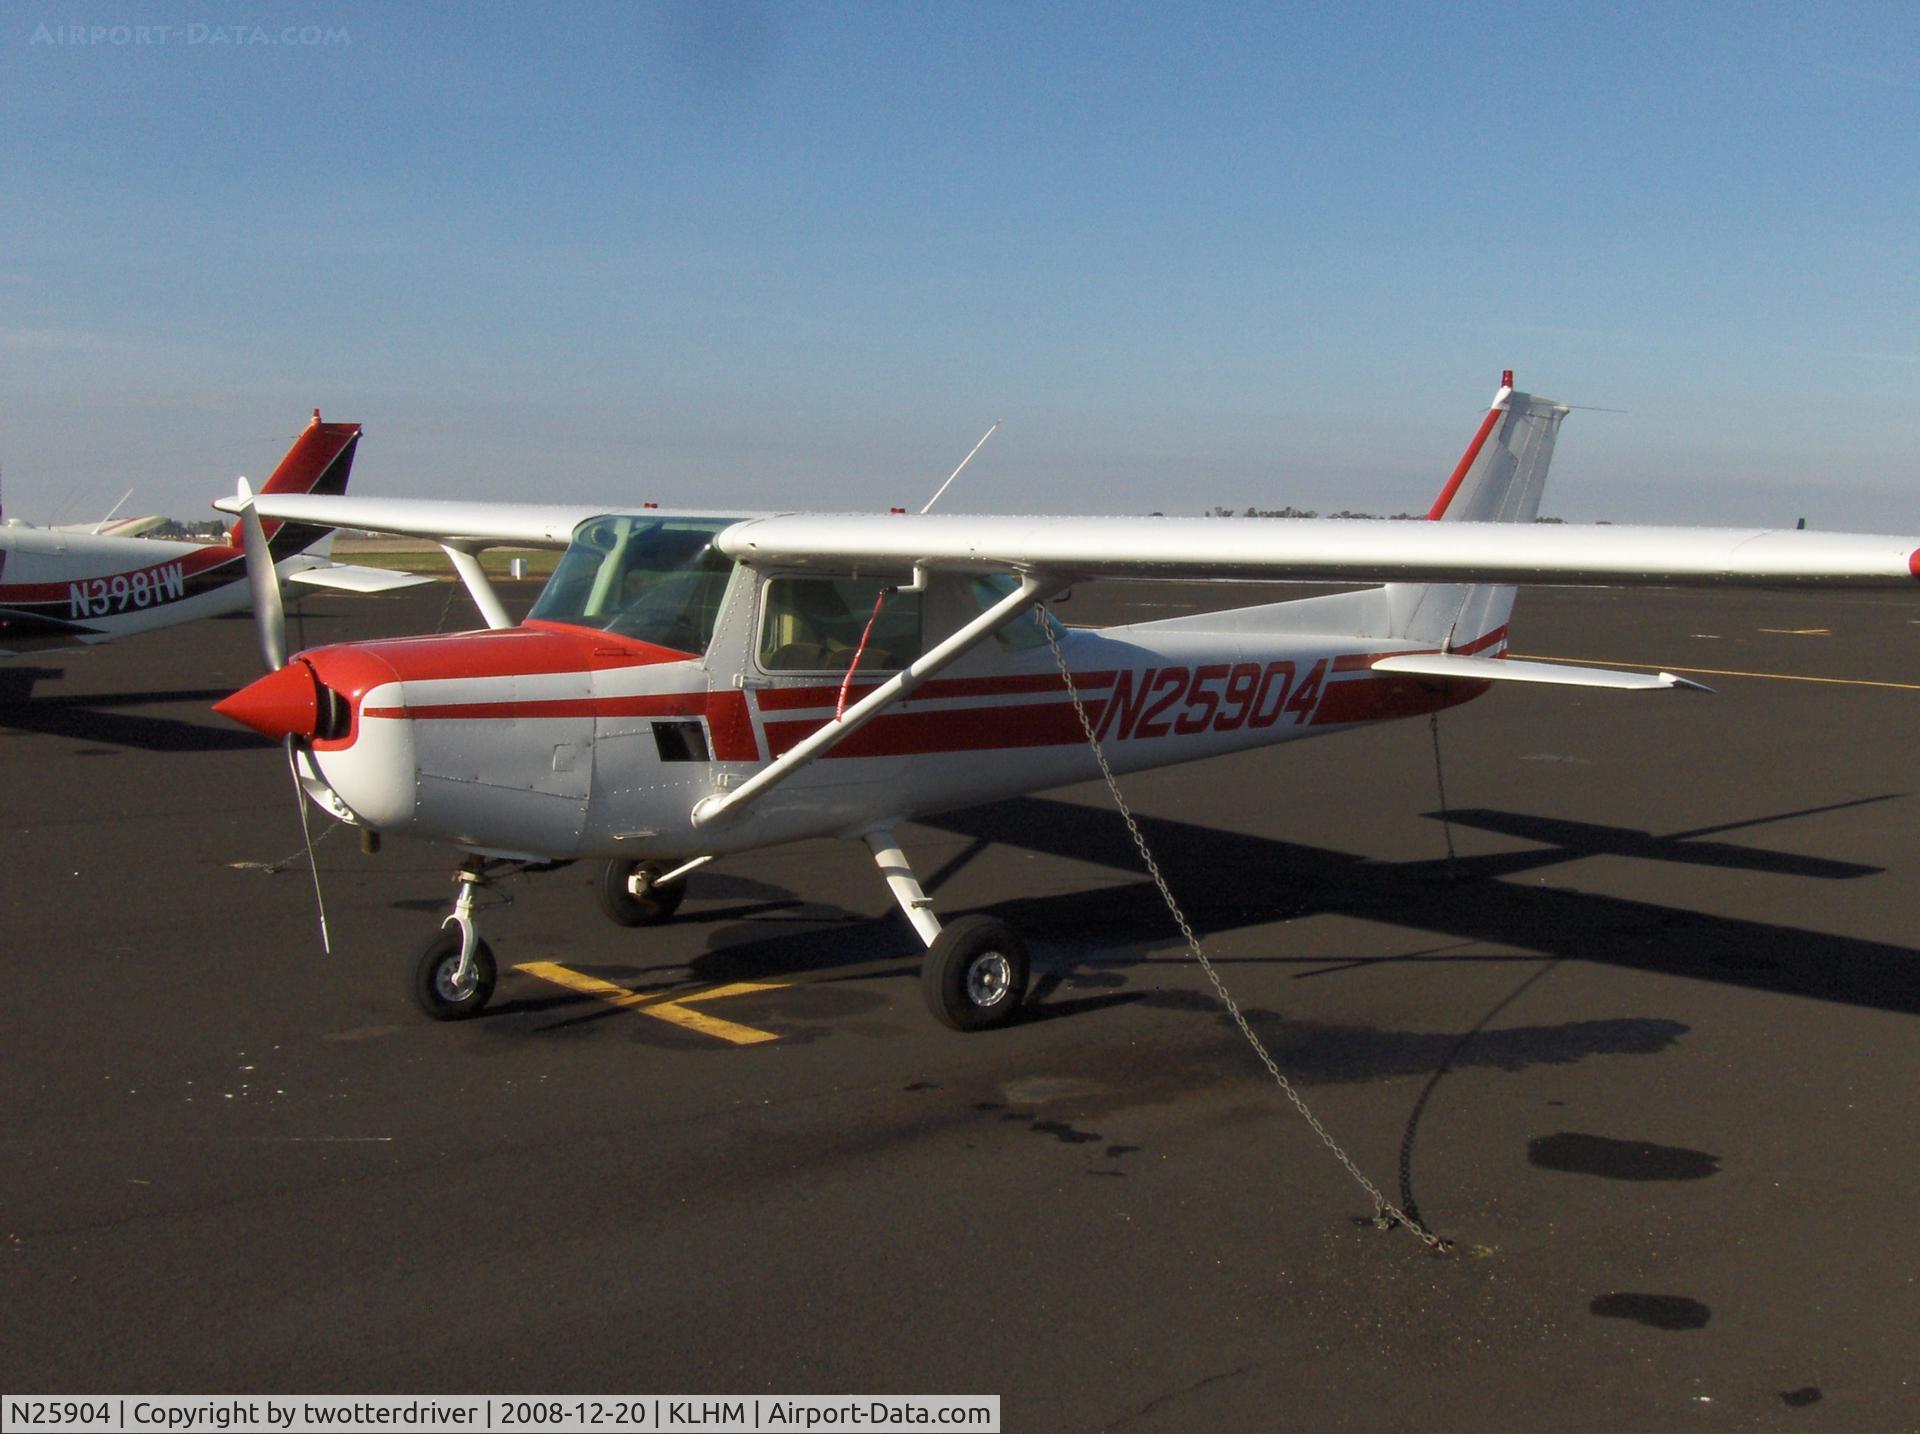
(963, 463)
(114, 509)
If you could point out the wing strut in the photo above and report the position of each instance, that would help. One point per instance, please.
(714, 808)
(479, 586)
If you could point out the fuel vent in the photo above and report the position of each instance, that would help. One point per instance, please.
(681, 741)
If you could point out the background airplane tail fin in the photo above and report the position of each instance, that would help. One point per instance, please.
(1499, 479)
(319, 462)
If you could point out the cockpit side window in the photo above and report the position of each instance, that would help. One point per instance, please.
(657, 580)
(1024, 631)
(815, 625)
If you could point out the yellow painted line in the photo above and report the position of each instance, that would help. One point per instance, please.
(671, 1007)
(1730, 672)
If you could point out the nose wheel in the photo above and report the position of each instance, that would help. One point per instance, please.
(454, 975)
(449, 985)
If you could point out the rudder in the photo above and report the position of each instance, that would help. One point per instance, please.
(1499, 479)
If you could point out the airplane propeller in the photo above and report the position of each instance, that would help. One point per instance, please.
(269, 614)
(270, 621)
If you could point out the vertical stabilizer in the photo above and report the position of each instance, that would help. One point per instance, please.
(320, 461)
(1499, 479)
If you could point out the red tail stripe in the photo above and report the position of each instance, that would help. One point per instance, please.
(1439, 509)
(1496, 638)
(1361, 661)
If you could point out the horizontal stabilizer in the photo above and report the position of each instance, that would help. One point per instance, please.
(1508, 669)
(350, 578)
(113, 527)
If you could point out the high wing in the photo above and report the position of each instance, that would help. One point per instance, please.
(1334, 550)
(1448, 582)
(461, 527)
(1274, 549)
(459, 522)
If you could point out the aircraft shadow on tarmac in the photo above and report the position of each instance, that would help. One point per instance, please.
(96, 717)
(1229, 880)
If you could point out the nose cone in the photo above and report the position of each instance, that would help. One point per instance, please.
(282, 704)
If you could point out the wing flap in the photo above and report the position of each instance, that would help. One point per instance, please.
(1510, 669)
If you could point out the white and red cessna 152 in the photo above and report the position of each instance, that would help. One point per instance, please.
(692, 684)
(61, 588)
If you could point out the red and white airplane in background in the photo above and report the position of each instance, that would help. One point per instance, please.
(64, 587)
(693, 685)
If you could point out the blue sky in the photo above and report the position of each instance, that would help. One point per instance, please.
(802, 255)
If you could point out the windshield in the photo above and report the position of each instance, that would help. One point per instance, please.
(659, 580)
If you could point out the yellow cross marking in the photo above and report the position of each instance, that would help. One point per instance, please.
(668, 1006)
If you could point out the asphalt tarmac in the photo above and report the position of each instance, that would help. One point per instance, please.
(1641, 1048)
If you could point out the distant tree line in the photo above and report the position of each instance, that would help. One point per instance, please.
(204, 530)
(1220, 511)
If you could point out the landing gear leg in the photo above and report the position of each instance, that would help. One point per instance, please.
(454, 976)
(904, 884)
(975, 972)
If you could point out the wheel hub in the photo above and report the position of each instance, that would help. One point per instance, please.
(988, 979)
(450, 989)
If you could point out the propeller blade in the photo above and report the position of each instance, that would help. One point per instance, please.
(306, 835)
(269, 616)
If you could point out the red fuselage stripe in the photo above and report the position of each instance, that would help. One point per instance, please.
(1375, 699)
(788, 699)
(997, 727)
(973, 729)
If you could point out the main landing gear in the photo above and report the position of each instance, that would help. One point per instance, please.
(974, 976)
(642, 893)
(975, 972)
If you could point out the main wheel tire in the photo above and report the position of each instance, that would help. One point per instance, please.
(975, 974)
(623, 908)
(433, 987)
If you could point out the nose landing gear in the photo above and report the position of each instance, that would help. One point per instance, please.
(452, 981)
(454, 974)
